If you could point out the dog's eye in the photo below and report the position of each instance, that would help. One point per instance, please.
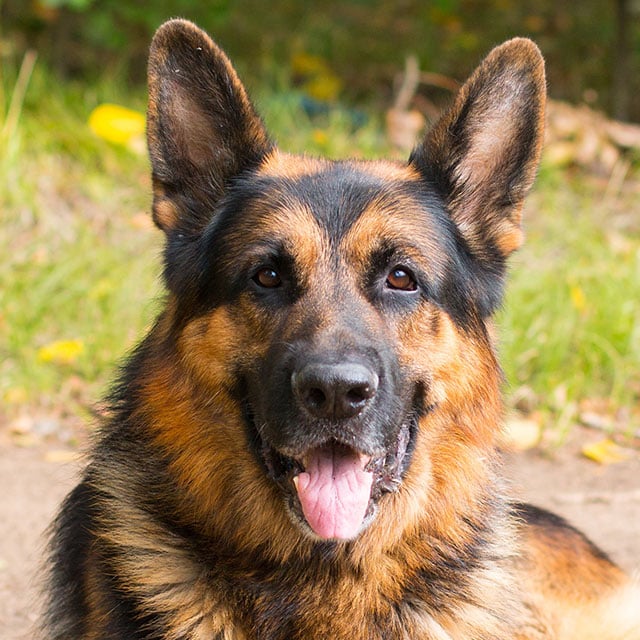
(267, 278)
(401, 279)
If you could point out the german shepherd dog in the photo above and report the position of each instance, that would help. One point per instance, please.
(304, 446)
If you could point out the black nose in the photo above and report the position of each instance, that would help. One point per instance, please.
(334, 391)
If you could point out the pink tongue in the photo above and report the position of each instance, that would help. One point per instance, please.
(334, 491)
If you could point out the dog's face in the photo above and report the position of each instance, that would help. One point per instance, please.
(327, 271)
(339, 303)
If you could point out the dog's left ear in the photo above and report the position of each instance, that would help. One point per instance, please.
(482, 155)
(202, 130)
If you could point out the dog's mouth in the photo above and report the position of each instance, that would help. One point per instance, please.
(332, 489)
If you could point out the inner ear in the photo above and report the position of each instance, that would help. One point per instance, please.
(202, 129)
(189, 128)
(482, 155)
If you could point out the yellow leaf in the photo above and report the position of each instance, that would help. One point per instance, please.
(604, 452)
(61, 351)
(578, 298)
(117, 124)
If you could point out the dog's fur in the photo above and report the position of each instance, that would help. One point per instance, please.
(324, 313)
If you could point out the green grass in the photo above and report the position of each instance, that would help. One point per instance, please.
(571, 324)
(80, 262)
(75, 264)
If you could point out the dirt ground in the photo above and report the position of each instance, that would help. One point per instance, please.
(604, 501)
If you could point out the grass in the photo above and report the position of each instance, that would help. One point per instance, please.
(80, 257)
(79, 281)
(571, 323)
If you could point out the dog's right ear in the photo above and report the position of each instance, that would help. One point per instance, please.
(202, 130)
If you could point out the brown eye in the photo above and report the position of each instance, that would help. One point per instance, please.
(267, 278)
(401, 279)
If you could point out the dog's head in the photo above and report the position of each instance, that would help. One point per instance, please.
(341, 304)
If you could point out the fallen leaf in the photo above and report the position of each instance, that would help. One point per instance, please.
(117, 124)
(61, 351)
(605, 452)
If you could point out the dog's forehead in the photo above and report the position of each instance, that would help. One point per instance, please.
(351, 204)
(285, 165)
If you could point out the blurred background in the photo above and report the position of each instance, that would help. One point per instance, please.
(79, 274)
(592, 48)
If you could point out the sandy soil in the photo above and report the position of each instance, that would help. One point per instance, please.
(603, 501)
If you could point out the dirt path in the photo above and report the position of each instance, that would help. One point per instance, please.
(603, 501)
(32, 489)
